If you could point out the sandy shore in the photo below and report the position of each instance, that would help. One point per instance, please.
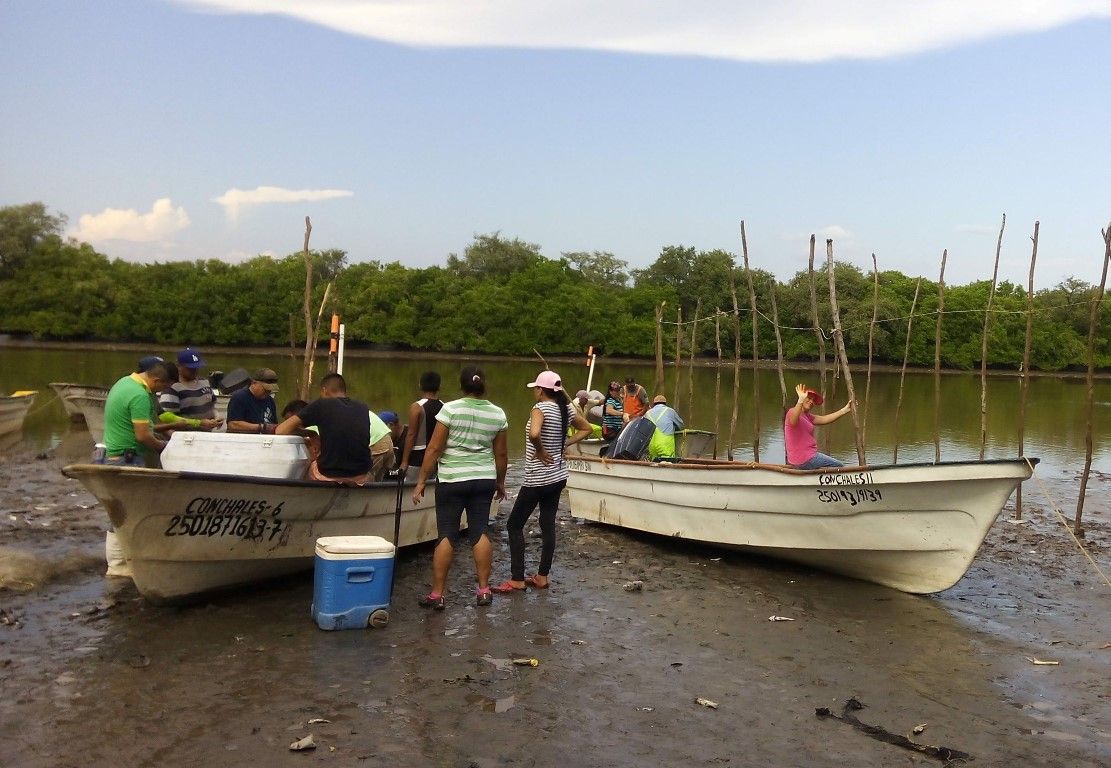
(92, 675)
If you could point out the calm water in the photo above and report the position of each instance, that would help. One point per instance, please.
(1054, 429)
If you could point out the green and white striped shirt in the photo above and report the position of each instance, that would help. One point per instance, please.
(472, 426)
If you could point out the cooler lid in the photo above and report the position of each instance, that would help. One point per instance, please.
(353, 545)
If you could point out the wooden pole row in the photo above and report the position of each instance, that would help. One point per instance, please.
(1093, 322)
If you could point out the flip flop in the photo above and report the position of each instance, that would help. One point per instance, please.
(532, 582)
(508, 588)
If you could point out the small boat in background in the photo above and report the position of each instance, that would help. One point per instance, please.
(67, 390)
(913, 527)
(13, 409)
(91, 405)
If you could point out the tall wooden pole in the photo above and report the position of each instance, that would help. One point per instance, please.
(984, 347)
(1026, 365)
(690, 367)
(903, 373)
(717, 382)
(310, 336)
(778, 349)
(755, 351)
(871, 343)
(839, 341)
(1093, 323)
(678, 351)
(658, 385)
(937, 359)
(736, 360)
(818, 334)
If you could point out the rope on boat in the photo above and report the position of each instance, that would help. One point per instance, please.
(40, 406)
(1064, 522)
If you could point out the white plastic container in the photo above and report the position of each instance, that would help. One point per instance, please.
(281, 457)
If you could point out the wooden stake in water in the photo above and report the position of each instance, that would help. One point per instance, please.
(678, 351)
(310, 337)
(717, 382)
(778, 350)
(690, 367)
(814, 318)
(1093, 323)
(937, 359)
(903, 373)
(1026, 365)
(755, 351)
(871, 344)
(736, 360)
(658, 385)
(839, 341)
(984, 347)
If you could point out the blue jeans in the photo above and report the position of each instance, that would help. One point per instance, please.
(820, 461)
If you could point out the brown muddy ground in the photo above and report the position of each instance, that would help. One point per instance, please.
(90, 675)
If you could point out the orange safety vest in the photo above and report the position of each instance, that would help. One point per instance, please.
(632, 405)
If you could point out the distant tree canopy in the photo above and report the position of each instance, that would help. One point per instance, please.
(503, 296)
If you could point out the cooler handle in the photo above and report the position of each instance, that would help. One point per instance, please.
(360, 575)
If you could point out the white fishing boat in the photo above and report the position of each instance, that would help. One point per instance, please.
(91, 405)
(13, 409)
(689, 444)
(186, 533)
(913, 527)
(67, 390)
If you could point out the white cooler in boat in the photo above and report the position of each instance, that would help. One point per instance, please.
(282, 457)
(351, 582)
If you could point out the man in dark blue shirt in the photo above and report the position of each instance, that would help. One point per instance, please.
(253, 409)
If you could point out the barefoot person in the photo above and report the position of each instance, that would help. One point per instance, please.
(470, 446)
(545, 477)
(798, 431)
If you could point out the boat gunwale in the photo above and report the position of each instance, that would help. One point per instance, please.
(94, 469)
(719, 464)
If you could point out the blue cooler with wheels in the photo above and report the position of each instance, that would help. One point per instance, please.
(352, 582)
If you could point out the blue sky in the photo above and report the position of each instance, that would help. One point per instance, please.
(183, 129)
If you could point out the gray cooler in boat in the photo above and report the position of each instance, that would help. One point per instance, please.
(281, 457)
(351, 582)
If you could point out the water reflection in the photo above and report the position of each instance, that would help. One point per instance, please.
(1054, 429)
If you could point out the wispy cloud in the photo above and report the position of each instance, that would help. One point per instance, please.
(746, 30)
(235, 199)
(128, 224)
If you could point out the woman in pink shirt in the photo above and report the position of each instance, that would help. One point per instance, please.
(798, 431)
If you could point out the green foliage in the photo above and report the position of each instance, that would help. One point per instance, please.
(503, 296)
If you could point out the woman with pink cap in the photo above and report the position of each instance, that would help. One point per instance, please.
(545, 476)
(798, 431)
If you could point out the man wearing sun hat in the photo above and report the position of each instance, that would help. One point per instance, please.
(798, 430)
(191, 396)
(662, 445)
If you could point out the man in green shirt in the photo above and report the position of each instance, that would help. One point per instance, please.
(129, 416)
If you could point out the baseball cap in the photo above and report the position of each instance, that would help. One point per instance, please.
(148, 362)
(659, 399)
(547, 380)
(816, 397)
(190, 358)
(389, 417)
(267, 378)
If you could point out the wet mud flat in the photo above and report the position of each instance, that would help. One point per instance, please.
(92, 675)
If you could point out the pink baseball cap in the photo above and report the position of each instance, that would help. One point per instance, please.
(547, 380)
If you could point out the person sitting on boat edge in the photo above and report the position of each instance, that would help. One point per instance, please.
(662, 445)
(344, 426)
(191, 396)
(252, 409)
(612, 413)
(582, 402)
(798, 431)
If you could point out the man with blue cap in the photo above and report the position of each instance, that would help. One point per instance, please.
(191, 396)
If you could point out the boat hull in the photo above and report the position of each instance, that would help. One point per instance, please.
(187, 533)
(13, 410)
(66, 391)
(915, 528)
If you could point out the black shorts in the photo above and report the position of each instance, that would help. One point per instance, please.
(471, 496)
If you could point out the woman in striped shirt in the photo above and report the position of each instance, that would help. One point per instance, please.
(545, 477)
(470, 445)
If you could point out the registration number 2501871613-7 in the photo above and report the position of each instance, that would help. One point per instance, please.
(241, 518)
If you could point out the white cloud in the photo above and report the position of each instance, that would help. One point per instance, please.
(235, 199)
(128, 224)
(746, 30)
